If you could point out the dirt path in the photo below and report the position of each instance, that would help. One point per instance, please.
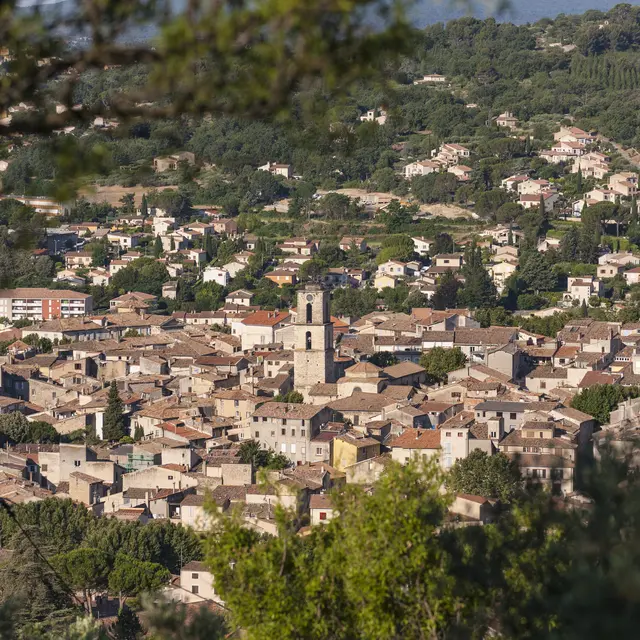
(628, 154)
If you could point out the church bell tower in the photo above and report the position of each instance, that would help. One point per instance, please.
(313, 338)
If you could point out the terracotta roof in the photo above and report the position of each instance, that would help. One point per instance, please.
(363, 367)
(566, 351)
(597, 377)
(131, 513)
(85, 477)
(358, 439)
(515, 438)
(403, 369)
(320, 501)
(417, 439)
(432, 406)
(38, 293)
(360, 401)
(232, 493)
(265, 318)
(573, 414)
(488, 336)
(548, 372)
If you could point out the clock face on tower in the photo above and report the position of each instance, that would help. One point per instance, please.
(309, 298)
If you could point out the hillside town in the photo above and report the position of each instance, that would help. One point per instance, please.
(359, 362)
(161, 414)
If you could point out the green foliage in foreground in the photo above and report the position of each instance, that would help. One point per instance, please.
(390, 567)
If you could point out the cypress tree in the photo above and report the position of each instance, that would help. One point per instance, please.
(144, 207)
(113, 425)
(157, 247)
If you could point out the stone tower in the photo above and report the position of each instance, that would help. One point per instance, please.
(313, 339)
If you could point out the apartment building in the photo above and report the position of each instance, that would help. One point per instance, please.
(43, 304)
(289, 428)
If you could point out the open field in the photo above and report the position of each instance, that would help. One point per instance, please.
(113, 194)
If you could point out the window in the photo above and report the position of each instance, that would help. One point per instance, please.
(76, 463)
(302, 422)
(484, 414)
(284, 421)
(309, 313)
(498, 414)
(256, 434)
(319, 451)
(293, 448)
(303, 451)
(307, 341)
(283, 447)
(283, 432)
(303, 432)
(494, 434)
(195, 589)
(293, 433)
(512, 416)
(194, 576)
(255, 419)
(460, 434)
(322, 515)
(273, 434)
(447, 447)
(236, 403)
(169, 477)
(44, 467)
(543, 384)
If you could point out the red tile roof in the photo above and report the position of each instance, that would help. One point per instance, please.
(417, 439)
(265, 318)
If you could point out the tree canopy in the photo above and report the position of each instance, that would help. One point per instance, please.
(490, 476)
(440, 361)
